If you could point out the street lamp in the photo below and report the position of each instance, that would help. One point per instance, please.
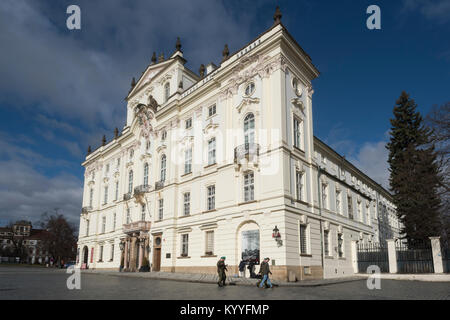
(277, 236)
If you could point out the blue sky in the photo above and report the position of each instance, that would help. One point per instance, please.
(61, 90)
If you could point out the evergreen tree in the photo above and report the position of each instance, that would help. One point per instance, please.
(414, 174)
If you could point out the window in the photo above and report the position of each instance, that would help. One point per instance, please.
(249, 89)
(118, 162)
(188, 123)
(146, 174)
(166, 91)
(249, 128)
(116, 196)
(303, 239)
(187, 203)
(164, 135)
(100, 259)
(184, 245)
(143, 212)
(326, 242)
(112, 252)
(325, 195)
(338, 201)
(296, 133)
(161, 209)
(105, 199)
(107, 168)
(163, 167)
(148, 145)
(188, 161)
(340, 245)
(350, 207)
(128, 216)
(130, 181)
(249, 186)
(359, 206)
(91, 197)
(211, 197)
(212, 151)
(131, 153)
(299, 185)
(87, 228)
(209, 245)
(212, 110)
(114, 221)
(103, 224)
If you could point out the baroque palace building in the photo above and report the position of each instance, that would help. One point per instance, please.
(225, 163)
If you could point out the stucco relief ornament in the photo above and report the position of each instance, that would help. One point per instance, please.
(144, 116)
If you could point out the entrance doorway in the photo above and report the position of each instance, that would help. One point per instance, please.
(248, 247)
(84, 261)
(156, 253)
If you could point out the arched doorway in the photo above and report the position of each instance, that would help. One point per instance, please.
(248, 245)
(84, 261)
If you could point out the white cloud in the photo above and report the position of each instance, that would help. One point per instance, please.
(435, 10)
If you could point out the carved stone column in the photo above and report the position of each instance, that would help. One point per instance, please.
(141, 251)
(125, 255)
(133, 254)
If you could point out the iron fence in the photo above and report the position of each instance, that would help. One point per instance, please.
(370, 254)
(445, 250)
(414, 257)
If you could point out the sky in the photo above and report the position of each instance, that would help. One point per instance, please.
(62, 90)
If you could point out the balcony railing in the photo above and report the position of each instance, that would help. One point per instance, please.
(136, 226)
(85, 210)
(159, 185)
(142, 189)
(127, 196)
(248, 151)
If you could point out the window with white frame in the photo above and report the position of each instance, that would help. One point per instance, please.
(112, 252)
(212, 110)
(249, 128)
(166, 91)
(209, 245)
(212, 151)
(350, 207)
(326, 242)
(116, 195)
(249, 89)
(91, 197)
(101, 254)
(105, 196)
(130, 181)
(299, 184)
(146, 174)
(128, 216)
(211, 194)
(103, 224)
(143, 212)
(249, 186)
(297, 133)
(161, 209)
(148, 145)
(340, 245)
(164, 135)
(186, 203)
(188, 161)
(188, 123)
(338, 201)
(184, 245)
(325, 195)
(163, 168)
(303, 239)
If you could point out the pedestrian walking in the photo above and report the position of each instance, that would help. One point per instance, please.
(221, 268)
(265, 271)
(242, 268)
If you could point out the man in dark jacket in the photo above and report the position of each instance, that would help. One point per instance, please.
(221, 268)
(265, 270)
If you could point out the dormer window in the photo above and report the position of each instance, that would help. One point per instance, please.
(166, 91)
(249, 89)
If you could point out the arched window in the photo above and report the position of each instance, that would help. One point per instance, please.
(146, 174)
(130, 181)
(249, 186)
(166, 91)
(163, 167)
(249, 128)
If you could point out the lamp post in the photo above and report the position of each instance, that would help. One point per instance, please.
(277, 236)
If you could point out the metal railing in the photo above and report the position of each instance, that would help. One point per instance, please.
(85, 210)
(247, 150)
(159, 185)
(137, 226)
(127, 196)
(142, 189)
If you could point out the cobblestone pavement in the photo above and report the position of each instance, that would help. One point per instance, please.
(42, 283)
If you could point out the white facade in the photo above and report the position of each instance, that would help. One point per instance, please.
(248, 163)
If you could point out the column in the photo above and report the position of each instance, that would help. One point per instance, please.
(141, 252)
(354, 247)
(437, 254)
(125, 255)
(392, 255)
(133, 254)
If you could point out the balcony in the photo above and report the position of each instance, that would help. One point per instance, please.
(85, 210)
(127, 196)
(249, 151)
(141, 189)
(137, 226)
(159, 185)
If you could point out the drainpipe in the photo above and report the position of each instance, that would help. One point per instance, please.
(319, 170)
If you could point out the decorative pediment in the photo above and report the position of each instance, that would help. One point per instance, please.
(186, 142)
(245, 102)
(299, 166)
(210, 128)
(298, 103)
